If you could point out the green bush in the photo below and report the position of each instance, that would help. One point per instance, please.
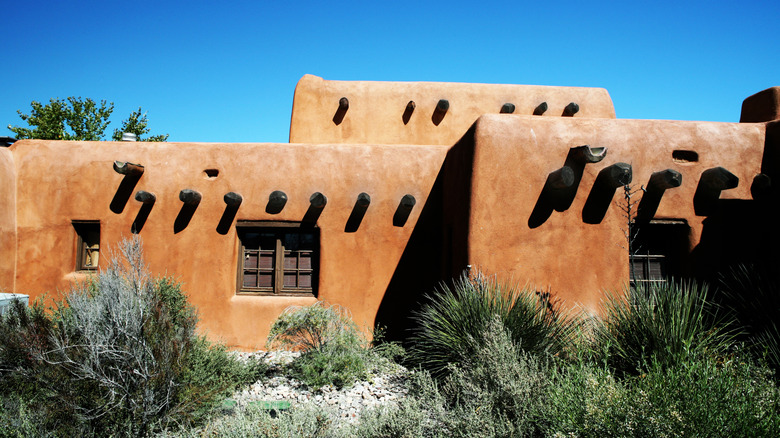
(451, 317)
(307, 328)
(298, 422)
(697, 397)
(666, 323)
(333, 351)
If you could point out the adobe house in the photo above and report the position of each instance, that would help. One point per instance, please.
(386, 189)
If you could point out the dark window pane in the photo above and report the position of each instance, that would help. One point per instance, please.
(266, 280)
(250, 279)
(656, 271)
(290, 280)
(305, 279)
(267, 260)
(305, 262)
(295, 241)
(255, 240)
(250, 259)
(290, 261)
(638, 269)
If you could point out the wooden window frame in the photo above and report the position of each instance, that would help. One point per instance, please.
(280, 254)
(85, 230)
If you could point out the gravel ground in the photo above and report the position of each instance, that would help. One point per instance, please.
(349, 402)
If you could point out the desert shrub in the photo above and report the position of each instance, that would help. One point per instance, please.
(451, 317)
(118, 357)
(304, 421)
(210, 375)
(333, 351)
(497, 392)
(664, 323)
(421, 414)
(586, 400)
(314, 327)
(696, 397)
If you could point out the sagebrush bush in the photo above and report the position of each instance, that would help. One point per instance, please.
(451, 317)
(304, 421)
(666, 323)
(118, 357)
(497, 392)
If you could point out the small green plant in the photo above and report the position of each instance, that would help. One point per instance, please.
(451, 317)
(314, 327)
(664, 323)
(333, 351)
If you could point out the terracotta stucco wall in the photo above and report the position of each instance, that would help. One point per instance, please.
(376, 109)
(7, 220)
(513, 155)
(64, 181)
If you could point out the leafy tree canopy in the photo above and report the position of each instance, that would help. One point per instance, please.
(75, 118)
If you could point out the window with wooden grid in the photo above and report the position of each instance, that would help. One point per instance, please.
(659, 249)
(277, 258)
(87, 245)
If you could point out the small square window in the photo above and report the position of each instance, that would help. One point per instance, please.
(88, 245)
(277, 258)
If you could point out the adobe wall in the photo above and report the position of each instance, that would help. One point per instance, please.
(509, 234)
(65, 181)
(377, 112)
(7, 220)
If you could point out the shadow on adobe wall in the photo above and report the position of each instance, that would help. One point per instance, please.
(437, 248)
(736, 254)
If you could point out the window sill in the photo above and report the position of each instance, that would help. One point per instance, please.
(280, 294)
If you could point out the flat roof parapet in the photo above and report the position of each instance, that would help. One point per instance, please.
(432, 113)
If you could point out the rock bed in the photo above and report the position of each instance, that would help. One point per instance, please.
(347, 403)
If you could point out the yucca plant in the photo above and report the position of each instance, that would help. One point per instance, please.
(753, 292)
(452, 318)
(665, 323)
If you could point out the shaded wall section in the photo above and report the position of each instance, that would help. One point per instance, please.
(65, 181)
(574, 255)
(437, 113)
(7, 220)
(437, 249)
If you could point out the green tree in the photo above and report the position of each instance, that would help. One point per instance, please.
(75, 118)
(136, 124)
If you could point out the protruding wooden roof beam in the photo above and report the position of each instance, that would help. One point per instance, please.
(233, 199)
(129, 169)
(190, 197)
(656, 187)
(712, 182)
(587, 155)
(145, 197)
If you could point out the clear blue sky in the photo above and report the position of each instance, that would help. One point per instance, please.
(206, 71)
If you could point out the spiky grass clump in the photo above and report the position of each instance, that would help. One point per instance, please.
(663, 323)
(753, 292)
(452, 318)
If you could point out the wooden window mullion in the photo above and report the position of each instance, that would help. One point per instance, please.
(279, 266)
